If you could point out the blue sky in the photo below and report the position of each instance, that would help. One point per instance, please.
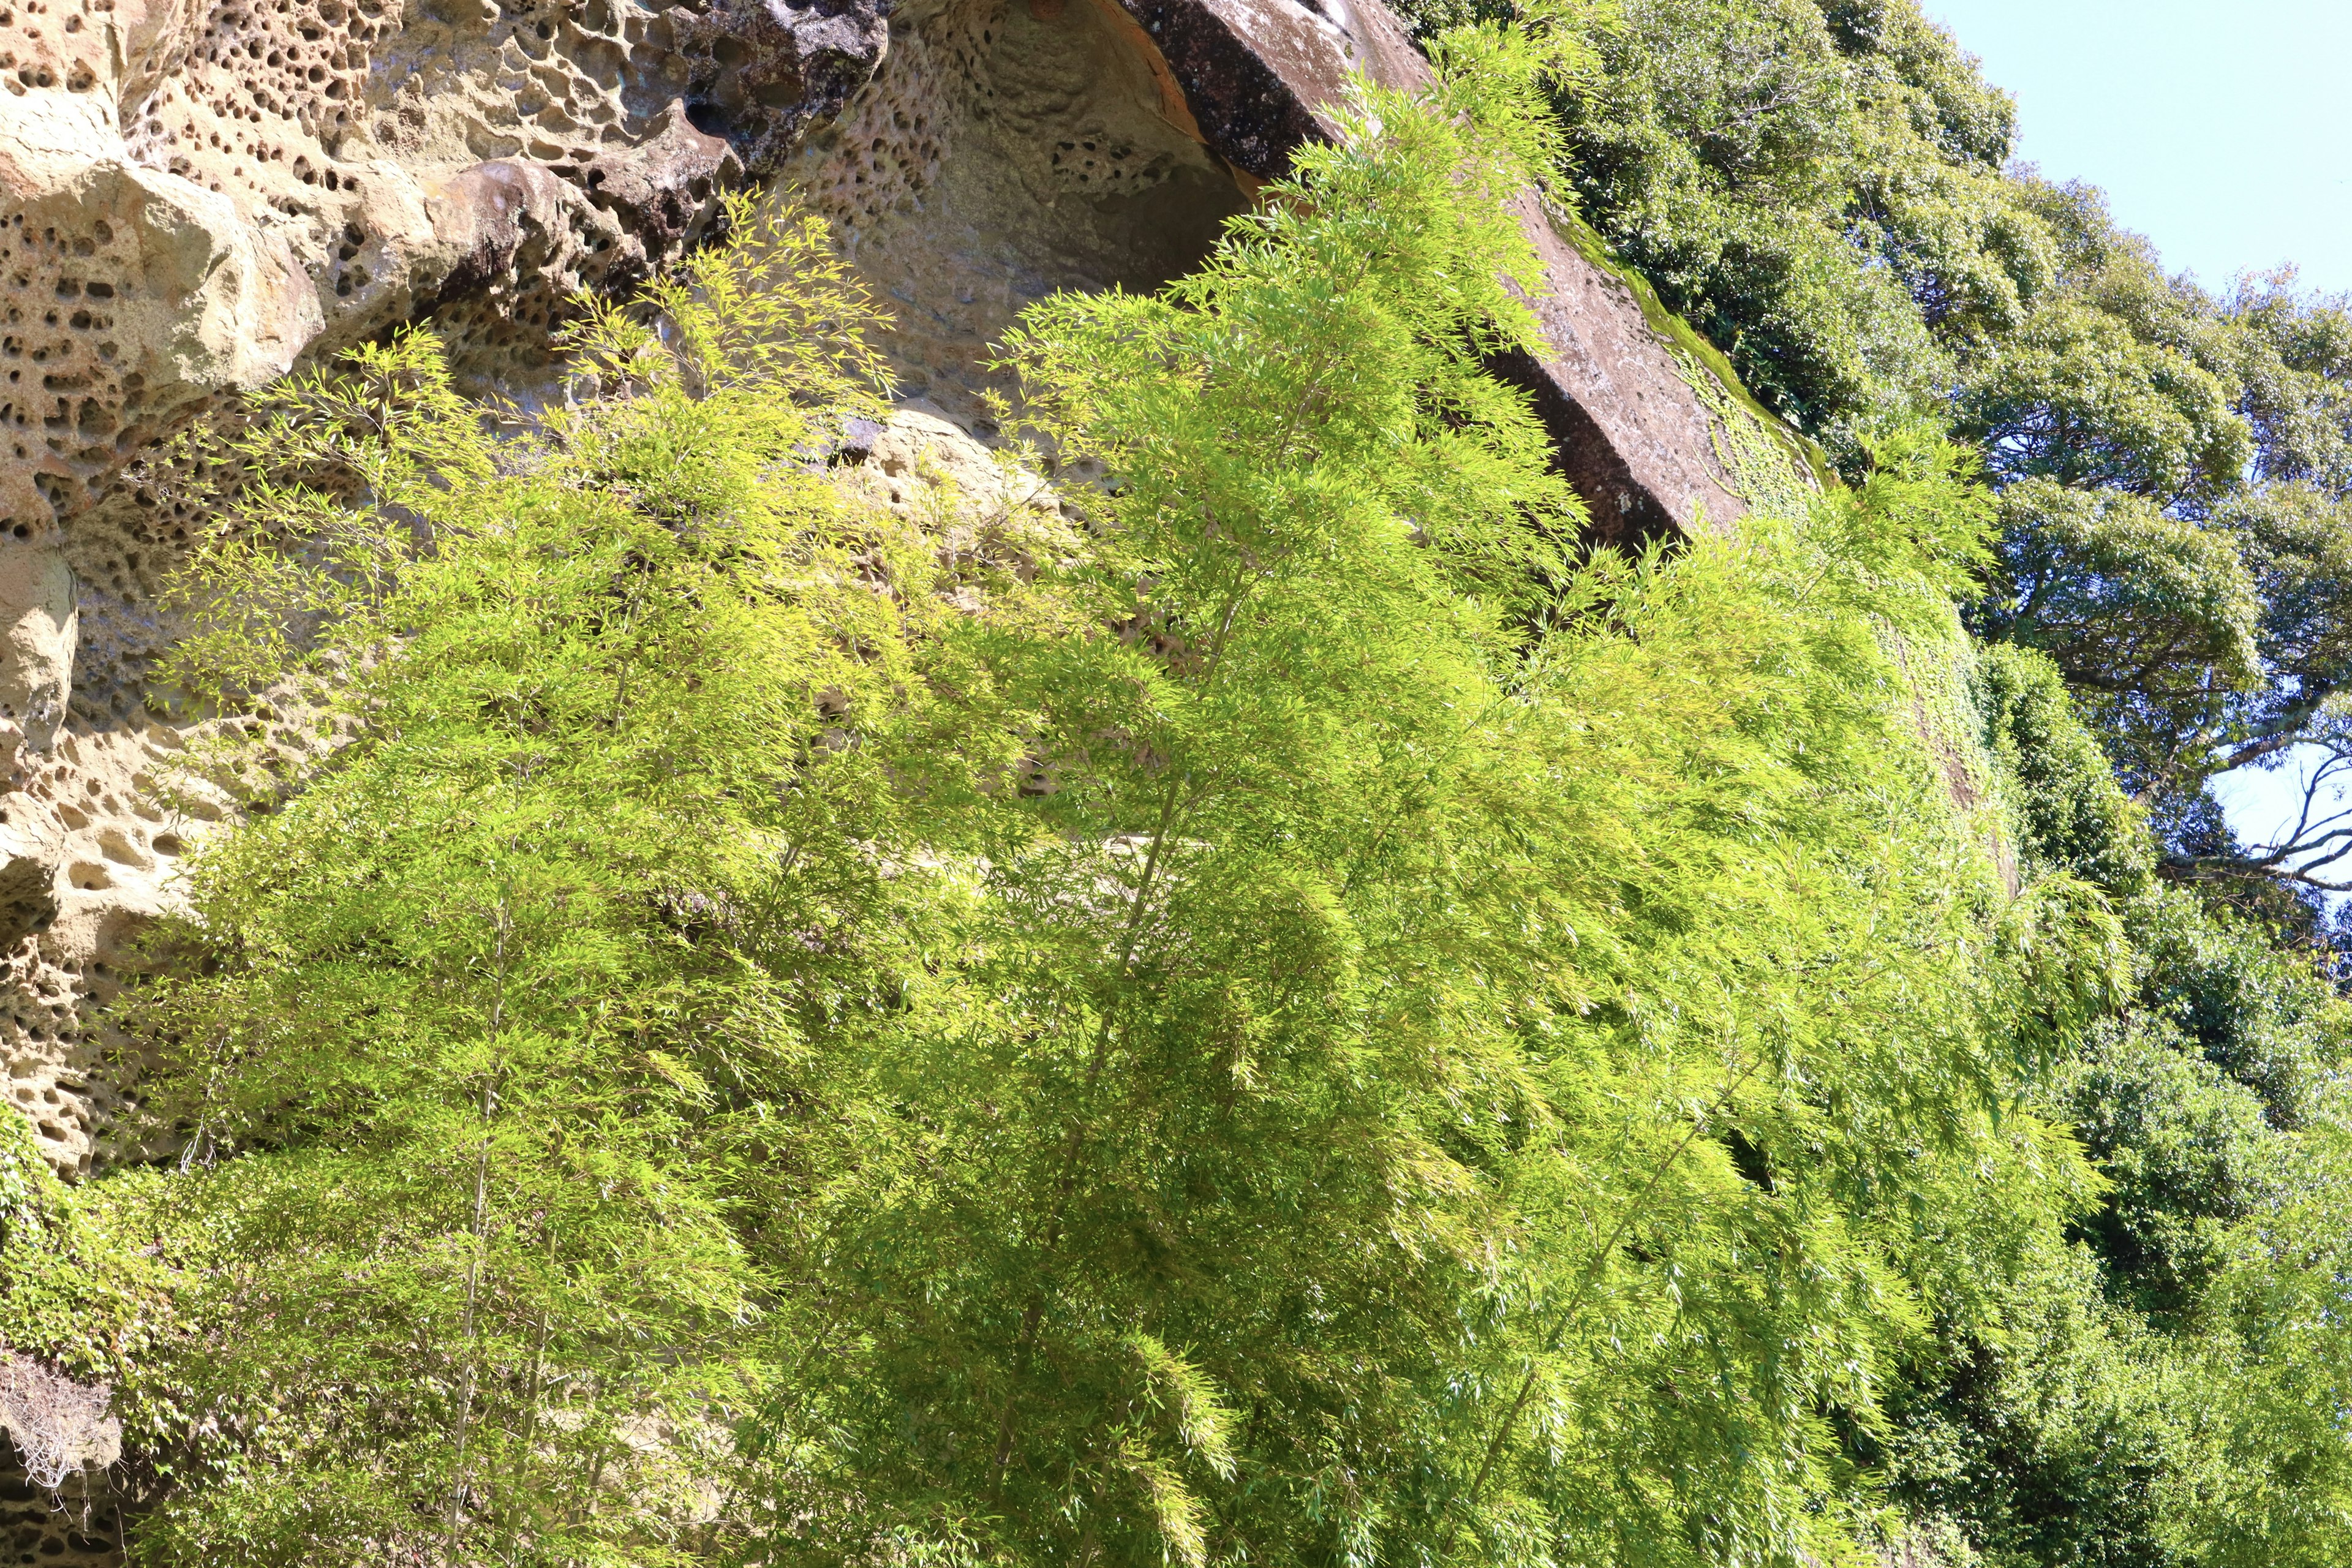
(2218, 129)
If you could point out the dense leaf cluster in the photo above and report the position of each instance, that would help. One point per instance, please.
(1824, 187)
(1272, 1011)
(1263, 1004)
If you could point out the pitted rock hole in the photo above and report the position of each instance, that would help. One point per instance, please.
(79, 1527)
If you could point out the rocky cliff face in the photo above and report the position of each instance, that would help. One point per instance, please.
(199, 195)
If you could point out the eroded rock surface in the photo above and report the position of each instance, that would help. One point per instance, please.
(1001, 152)
(1005, 150)
(1261, 77)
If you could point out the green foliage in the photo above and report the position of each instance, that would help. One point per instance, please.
(69, 1283)
(2152, 619)
(2073, 816)
(2051, 1433)
(1815, 187)
(2121, 1396)
(2117, 378)
(1821, 188)
(1352, 1003)
(2262, 1015)
(449, 1274)
(2185, 1150)
(1277, 1012)
(1271, 1006)
(2267, 1398)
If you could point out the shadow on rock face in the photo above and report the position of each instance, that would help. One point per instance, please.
(1006, 149)
(1001, 152)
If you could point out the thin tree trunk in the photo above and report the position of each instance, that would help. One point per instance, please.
(481, 1222)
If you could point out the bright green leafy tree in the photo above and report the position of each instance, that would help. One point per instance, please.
(456, 1275)
(1280, 1012)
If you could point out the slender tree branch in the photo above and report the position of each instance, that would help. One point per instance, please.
(1508, 1425)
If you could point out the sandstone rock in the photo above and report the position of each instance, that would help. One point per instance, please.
(215, 189)
(1004, 150)
(763, 70)
(29, 875)
(198, 195)
(922, 465)
(985, 513)
(39, 627)
(1261, 75)
(525, 239)
(1627, 429)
